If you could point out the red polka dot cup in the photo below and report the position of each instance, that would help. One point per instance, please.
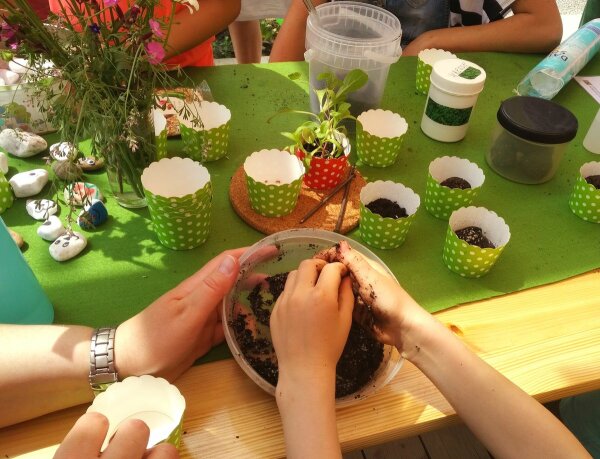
(324, 174)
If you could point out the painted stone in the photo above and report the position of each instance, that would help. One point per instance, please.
(3, 163)
(62, 151)
(67, 246)
(22, 143)
(29, 183)
(90, 163)
(93, 215)
(41, 209)
(66, 170)
(83, 192)
(51, 229)
(17, 238)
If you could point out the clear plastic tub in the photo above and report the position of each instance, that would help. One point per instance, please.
(530, 139)
(282, 252)
(352, 35)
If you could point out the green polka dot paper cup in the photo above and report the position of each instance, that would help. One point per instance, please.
(160, 131)
(470, 260)
(441, 200)
(379, 135)
(6, 195)
(274, 179)
(210, 141)
(153, 400)
(585, 198)
(179, 196)
(425, 60)
(385, 232)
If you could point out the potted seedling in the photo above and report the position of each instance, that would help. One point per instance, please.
(321, 141)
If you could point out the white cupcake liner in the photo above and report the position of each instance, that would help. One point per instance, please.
(432, 55)
(212, 114)
(153, 400)
(591, 168)
(273, 167)
(452, 166)
(383, 123)
(396, 192)
(175, 177)
(493, 226)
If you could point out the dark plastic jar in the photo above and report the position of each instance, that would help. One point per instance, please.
(530, 139)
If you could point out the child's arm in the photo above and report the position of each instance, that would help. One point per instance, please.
(535, 27)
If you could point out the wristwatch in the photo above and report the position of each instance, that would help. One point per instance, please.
(102, 359)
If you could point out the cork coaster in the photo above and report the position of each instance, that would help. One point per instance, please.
(325, 218)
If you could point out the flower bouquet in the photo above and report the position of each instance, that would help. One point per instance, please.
(100, 64)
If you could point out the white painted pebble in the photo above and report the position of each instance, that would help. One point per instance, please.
(22, 143)
(67, 246)
(51, 229)
(41, 209)
(29, 183)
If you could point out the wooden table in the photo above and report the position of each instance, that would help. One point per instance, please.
(546, 340)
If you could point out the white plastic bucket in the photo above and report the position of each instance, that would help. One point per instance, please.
(350, 35)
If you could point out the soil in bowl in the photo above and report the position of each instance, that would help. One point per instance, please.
(456, 182)
(594, 180)
(361, 357)
(474, 235)
(387, 209)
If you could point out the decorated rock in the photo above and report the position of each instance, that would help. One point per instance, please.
(28, 183)
(51, 229)
(22, 143)
(41, 209)
(17, 238)
(3, 163)
(90, 163)
(82, 193)
(62, 151)
(93, 216)
(67, 246)
(67, 170)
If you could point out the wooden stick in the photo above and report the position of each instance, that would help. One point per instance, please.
(338, 225)
(311, 212)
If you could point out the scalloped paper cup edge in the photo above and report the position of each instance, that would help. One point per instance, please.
(452, 166)
(383, 123)
(175, 177)
(396, 192)
(493, 226)
(431, 55)
(212, 114)
(273, 167)
(137, 395)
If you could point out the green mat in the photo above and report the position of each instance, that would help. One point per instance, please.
(124, 267)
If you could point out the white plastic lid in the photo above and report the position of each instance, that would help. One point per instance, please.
(457, 76)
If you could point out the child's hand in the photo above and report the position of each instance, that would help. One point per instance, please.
(311, 321)
(383, 306)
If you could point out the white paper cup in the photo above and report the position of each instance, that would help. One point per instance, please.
(153, 400)
(210, 141)
(591, 142)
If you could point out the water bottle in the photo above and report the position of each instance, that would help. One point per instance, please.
(22, 300)
(562, 64)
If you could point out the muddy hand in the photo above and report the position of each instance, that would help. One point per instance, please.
(382, 305)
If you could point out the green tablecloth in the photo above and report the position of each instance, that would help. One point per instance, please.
(124, 267)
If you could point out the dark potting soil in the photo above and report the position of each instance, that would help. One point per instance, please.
(474, 235)
(360, 358)
(594, 180)
(327, 147)
(456, 182)
(387, 208)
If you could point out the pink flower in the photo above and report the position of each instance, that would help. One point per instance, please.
(155, 51)
(110, 3)
(7, 31)
(155, 27)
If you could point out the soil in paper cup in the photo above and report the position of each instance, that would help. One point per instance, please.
(383, 232)
(379, 135)
(469, 260)
(441, 201)
(585, 198)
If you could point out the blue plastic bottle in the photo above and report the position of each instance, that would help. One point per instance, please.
(562, 64)
(22, 300)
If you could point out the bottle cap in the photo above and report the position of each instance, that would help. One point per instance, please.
(457, 76)
(537, 120)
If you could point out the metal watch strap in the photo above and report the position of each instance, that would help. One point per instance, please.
(102, 359)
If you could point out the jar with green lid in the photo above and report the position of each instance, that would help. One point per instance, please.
(453, 92)
(530, 139)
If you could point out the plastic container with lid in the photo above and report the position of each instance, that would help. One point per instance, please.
(530, 139)
(352, 35)
(455, 86)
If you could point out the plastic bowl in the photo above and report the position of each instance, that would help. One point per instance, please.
(282, 252)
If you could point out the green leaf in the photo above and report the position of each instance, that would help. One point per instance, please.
(354, 80)
(295, 76)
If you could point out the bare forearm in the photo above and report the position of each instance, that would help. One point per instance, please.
(308, 417)
(43, 369)
(189, 30)
(507, 421)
